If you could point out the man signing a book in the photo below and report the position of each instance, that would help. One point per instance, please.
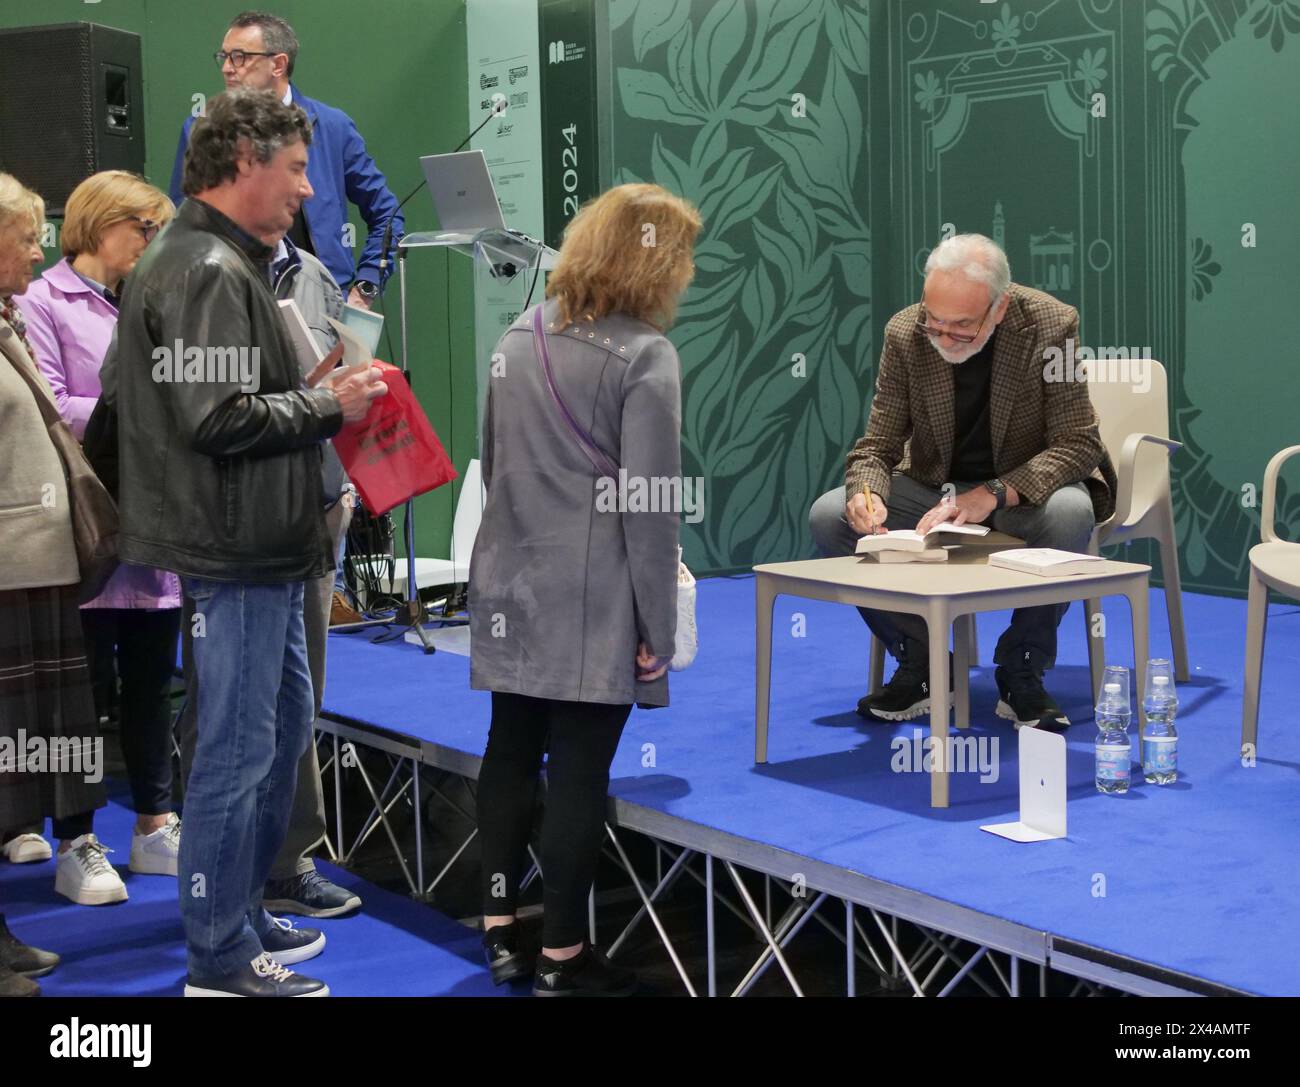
(967, 426)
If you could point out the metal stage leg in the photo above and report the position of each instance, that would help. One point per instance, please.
(850, 963)
(758, 917)
(654, 917)
(338, 799)
(591, 916)
(419, 826)
(710, 933)
(899, 958)
(665, 882)
(795, 918)
(381, 811)
(447, 867)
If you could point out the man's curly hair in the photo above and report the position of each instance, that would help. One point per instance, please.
(235, 122)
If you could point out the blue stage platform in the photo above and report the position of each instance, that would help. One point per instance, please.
(1197, 876)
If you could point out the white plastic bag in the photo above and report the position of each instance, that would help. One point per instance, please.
(688, 638)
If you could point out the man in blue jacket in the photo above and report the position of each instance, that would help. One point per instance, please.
(259, 51)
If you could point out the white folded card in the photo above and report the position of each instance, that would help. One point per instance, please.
(1045, 561)
(1042, 789)
(907, 539)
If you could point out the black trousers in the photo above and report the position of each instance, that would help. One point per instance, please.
(579, 740)
(143, 643)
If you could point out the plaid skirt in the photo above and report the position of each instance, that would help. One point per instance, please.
(51, 756)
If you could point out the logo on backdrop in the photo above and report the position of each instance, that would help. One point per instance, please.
(518, 73)
(486, 82)
(561, 51)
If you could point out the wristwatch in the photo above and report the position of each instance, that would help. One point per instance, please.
(999, 491)
(366, 289)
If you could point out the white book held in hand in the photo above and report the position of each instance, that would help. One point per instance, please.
(906, 539)
(1046, 561)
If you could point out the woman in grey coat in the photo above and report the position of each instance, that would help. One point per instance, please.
(573, 580)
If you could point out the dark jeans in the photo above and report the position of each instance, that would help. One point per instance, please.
(143, 643)
(580, 739)
(255, 713)
(1064, 521)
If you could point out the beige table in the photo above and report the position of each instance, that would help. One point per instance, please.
(946, 595)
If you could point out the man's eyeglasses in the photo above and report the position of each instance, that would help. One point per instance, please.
(922, 323)
(237, 57)
(147, 227)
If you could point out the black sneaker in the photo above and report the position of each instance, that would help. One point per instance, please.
(588, 973)
(261, 977)
(502, 950)
(907, 694)
(1023, 700)
(30, 962)
(288, 945)
(308, 895)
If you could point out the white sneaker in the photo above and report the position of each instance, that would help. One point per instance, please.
(28, 849)
(85, 876)
(156, 854)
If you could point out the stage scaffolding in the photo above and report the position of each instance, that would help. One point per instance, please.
(901, 939)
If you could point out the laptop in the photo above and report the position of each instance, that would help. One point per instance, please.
(462, 191)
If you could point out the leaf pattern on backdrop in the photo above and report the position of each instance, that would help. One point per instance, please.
(706, 105)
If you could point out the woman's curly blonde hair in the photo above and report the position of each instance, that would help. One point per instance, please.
(626, 251)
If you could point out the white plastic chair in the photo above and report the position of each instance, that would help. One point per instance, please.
(1135, 430)
(1274, 564)
(464, 529)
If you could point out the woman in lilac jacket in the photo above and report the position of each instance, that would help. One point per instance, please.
(71, 311)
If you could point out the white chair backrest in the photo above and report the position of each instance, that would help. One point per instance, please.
(469, 512)
(1131, 396)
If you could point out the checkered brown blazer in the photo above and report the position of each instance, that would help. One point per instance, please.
(1044, 433)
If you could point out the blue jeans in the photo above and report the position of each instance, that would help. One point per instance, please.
(255, 717)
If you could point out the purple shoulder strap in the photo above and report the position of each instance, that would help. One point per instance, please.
(600, 460)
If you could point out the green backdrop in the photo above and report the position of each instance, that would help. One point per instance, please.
(918, 114)
(398, 68)
(828, 143)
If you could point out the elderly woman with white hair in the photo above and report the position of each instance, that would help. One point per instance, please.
(44, 685)
(967, 425)
(131, 627)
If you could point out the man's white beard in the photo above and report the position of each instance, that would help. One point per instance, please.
(956, 358)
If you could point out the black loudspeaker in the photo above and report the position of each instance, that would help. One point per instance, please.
(71, 104)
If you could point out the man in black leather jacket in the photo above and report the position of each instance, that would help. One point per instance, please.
(220, 480)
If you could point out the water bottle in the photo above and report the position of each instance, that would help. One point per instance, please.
(1160, 737)
(1114, 751)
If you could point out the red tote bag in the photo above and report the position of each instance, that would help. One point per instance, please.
(393, 454)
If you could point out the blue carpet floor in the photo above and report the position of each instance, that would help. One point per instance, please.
(1196, 875)
(394, 947)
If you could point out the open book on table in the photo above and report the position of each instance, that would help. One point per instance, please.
(907, 539)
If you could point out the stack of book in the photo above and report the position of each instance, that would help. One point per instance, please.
(908, 545)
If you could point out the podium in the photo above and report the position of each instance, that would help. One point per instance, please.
(497, 255)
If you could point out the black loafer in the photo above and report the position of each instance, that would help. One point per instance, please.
(588, 973)
(501, 949)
